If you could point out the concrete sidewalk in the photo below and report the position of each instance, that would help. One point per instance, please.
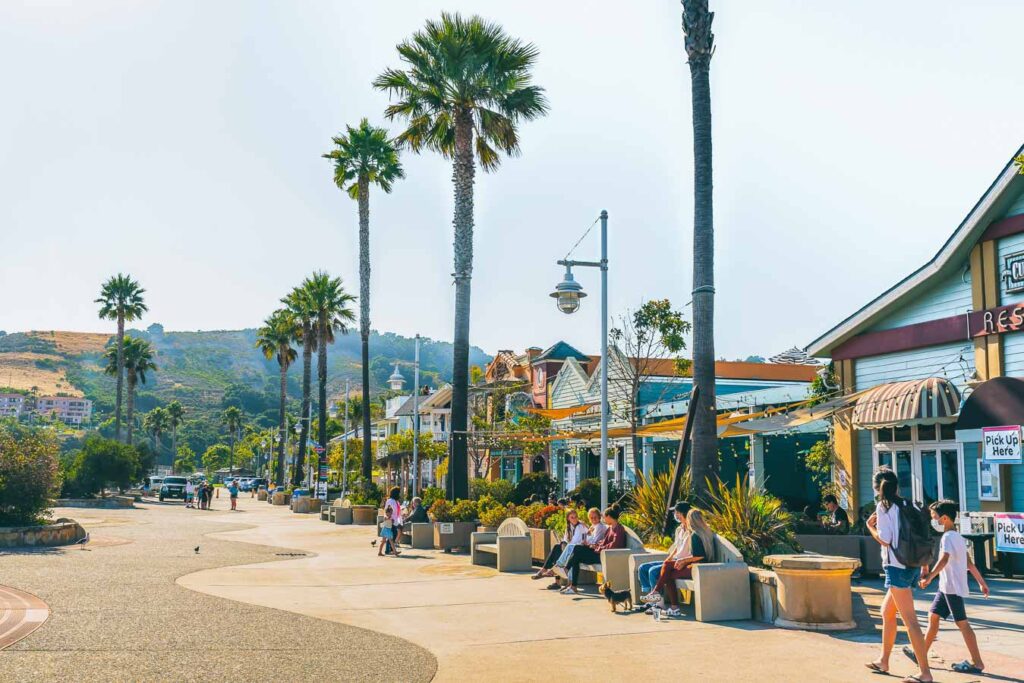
(482, 625)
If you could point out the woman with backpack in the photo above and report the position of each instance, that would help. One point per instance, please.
(900, 562)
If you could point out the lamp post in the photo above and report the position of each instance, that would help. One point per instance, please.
(567, 295)
(344, 447)
(416, 419)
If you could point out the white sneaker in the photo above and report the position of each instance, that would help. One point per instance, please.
(673, 612)
(651, 598)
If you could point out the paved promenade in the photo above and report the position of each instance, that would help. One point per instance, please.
(274, 595)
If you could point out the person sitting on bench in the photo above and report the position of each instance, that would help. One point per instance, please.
(698, 542)
(575, 533)
(614, 538)
(650, 572)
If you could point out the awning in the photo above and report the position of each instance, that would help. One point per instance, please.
(925, 401)
(994, 403)
(791, 419)
(559, 413)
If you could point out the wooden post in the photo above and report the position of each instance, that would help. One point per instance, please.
(678, 468)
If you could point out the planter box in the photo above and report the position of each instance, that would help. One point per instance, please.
(280, 498)
(342, 515)
(541, 541)
(305, 505)
(62, 533)
(448, 535)
(108, 503)
(364, 514)
(261, 494)
(764, 595)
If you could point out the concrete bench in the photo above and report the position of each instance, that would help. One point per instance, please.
(340, 512)
(614, 566)
(509, 548)
(422, 535)
(720, 589)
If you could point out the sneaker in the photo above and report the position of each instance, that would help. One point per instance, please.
(673, 612)
(554, 586)
(651, 598)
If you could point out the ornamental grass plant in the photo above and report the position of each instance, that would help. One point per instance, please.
(754, 521)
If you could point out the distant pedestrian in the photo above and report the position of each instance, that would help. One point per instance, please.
(190, 493)
(900, 579)
(952, 569)
(393, 515)
(233, 492)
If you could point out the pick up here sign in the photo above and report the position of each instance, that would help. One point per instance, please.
(1009, 528)
(1002, 444)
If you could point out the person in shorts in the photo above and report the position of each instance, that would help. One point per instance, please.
(952, 569)
(233, 491)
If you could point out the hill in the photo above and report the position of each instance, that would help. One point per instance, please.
(206, 371)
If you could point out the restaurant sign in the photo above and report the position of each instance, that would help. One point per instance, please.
(1013, 272)
(1002, 444)
(998, 320)
(1009, 527)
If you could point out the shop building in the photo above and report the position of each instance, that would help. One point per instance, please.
(924, 360)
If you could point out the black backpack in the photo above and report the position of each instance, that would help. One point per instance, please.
(915, 545)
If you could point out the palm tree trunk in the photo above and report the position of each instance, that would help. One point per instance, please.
(120, 374)
(699, 47)
(364, 316)
(462, 177)
(307, 388)
(131, 409)
(282, 427)
(321, 373)
(174, 442)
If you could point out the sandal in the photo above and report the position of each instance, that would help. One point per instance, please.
(875, 667)
(909, 652)
(651, 598)
(966, 667)
(914, 679)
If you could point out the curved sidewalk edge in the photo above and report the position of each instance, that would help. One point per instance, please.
(20, 614)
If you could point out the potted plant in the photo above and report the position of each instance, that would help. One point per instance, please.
(453, 524)
(536, 517)
(365, 502)
(492, 518)
(486, 504)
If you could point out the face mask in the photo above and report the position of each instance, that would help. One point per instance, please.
(937, 525)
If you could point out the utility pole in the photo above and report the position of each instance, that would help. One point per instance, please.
(416, 419)
(344, 447)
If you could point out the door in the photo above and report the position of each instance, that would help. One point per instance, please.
(937, 475)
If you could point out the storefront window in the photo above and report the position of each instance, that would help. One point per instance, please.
(947, 432)
(903, 433)
(929, 478)
(885, 459)
(903, 472)
(884, 435)
(926, 432)
(950, 475)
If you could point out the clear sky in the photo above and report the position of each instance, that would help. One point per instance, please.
(180, 141)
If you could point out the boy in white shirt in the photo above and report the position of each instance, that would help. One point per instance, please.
(952, 569)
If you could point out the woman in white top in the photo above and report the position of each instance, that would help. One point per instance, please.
(884, 526)
(575, 532)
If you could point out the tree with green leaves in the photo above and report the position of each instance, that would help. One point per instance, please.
(332, 305)
(156, 422)
(175, 417)
(215, 457)
(650, 340)
(465, 88)
(231, 419)
(275, 339)
(121, 300)
(362, 157)
(301, 307)
(700, 45)
(135, 357)
(184, 461)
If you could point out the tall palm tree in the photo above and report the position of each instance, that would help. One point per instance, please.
(333, 314)
(365, 156)
(121, 300)
(301, 308)
(275, 339)
(136, 357)
(466, 86)
(156, 422)
(231, 419)
(700, 45)
(175, 418)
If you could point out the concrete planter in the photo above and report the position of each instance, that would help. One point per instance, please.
(764, 595)
(814, 591)
(540, 543)
(305, 505)
(280, 498)
(364, 514)
(342, 515)
(108, 503)
(47, 535)
(454, 535)
(261, 494)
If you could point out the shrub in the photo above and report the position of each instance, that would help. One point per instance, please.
(367, 494)
(487, 502)
(29, 474)
(646, 506)
(495, 516)
(589, 490)
(500, 489)
(102, 463)
(536, 515)
(465, 511)
(430, 495)
(534, 484)
(441, 511)
(557, 522)
(757, 523)
(478, 487)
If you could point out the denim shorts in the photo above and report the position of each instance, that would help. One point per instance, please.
(898, 577)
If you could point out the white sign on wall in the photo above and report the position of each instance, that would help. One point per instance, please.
(1002, 444)
(1009, 532)
(447, 528)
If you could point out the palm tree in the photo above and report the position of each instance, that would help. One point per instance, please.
(120, 300)
(333, 314)
(231, 419)
(156, 423)
(299, 305)
(700, 45)
(136, 357)
(175, 417)
(466, 86)
(275, 339)
(365, 155)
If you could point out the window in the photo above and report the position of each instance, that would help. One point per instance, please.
(903, 434)
(927, 463)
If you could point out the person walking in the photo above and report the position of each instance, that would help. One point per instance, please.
(884, 526)
(952, 569)
(190, 493)
(233, 492)
(393, 514)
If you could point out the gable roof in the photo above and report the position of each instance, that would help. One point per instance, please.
(561, 350)
(957, 248)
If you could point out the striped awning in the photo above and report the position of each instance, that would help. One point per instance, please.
(926, 401)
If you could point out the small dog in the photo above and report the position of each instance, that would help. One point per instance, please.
(616, 598)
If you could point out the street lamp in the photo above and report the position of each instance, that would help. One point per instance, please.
(567, 294)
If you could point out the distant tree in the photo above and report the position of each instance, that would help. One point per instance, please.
(135, 357)
(232, 422)
(301, 306)
(476, 375)
(104, 463)
(29, 473)
(175, 416)
(215, 458)
(156, 422)
(754, 359)
(121, 300)
(275, 339)
(185, 461)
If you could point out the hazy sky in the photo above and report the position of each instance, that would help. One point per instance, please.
(180, 141)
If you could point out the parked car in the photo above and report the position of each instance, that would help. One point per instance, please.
(151, 485)
(173, 487)
(257, 482)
